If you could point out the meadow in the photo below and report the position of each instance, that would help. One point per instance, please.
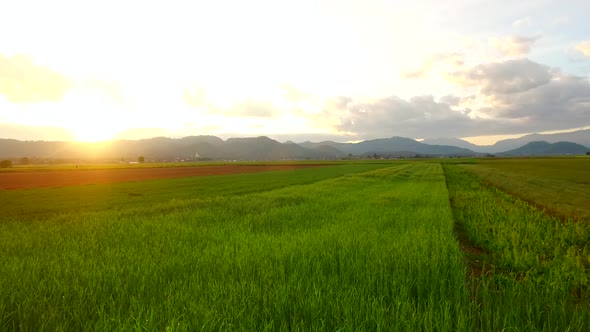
(401, 246)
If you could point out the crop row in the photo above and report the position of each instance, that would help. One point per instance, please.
(531, 271)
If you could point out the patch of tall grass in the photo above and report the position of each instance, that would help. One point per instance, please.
(537, 278)
(367, 251)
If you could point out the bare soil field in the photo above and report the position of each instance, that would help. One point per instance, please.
(23, 180)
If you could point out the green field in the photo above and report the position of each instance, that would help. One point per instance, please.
(416, 246)
(123, 165)
(45, 202)
(561, 186)
(529, 271)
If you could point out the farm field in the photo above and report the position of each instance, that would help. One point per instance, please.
(528, 270)
(40, 203)
(22, 180)
(561, 186)
(399, 246)
(17, 168)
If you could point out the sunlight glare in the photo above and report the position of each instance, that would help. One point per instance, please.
(92, 117)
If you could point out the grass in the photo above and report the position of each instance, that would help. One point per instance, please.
(561, 186)
(410, 246)
(366, 251)
(531, 271)
(44, 202)
(82, 166)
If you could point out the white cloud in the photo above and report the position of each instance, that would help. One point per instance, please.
(23, 81)
(521, 23)
(513, 45)
(515, 96)
(252, 108)
(509, 76)
(393, 116)
(34, 133)
(560, 20)
(444, 61)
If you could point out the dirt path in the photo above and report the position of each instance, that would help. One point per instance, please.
(22, 180)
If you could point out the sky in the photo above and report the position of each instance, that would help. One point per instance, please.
(293, 70)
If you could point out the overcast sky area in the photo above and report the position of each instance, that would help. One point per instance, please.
(300, 70)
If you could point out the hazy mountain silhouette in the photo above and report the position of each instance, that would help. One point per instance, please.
(264, 148)
(452, 141)
(542, 148)
(581, 137)
(393, 146)
(214, 148)
(163, 148)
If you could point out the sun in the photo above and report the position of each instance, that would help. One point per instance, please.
(93, 133)
(94, 126)
(90, 116)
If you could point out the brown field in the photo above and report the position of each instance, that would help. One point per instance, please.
(22, 180)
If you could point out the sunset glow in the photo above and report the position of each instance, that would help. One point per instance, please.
(102, 70)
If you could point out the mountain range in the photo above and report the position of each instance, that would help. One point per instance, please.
(542, 148)
(264, 148)
(581, 137)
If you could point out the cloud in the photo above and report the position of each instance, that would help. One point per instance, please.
(393, 116)
(525, 22)
(511, 76)
(584, 48)
(338, 103)
(564, 101)
(24, 82)
(514, 97)
(513, 45)
(293, 94)
(34, 133)
(208, 102)
(445, 60)
(560, 20)
(251, 108)
(195, 96)
(529, 95)
(110, 88)
(451, 100)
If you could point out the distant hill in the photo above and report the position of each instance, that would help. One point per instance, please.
(452, 141)
(394, 146)
(543, 148)
(581, 137)
(262, 148)
(214, 148)
(162, 148)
